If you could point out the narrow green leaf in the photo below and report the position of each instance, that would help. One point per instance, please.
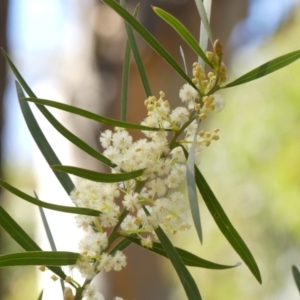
(205, 18)
(66, 209)
(296, 275)
(184, 275)
(49, 236)
(47, 229)
(204, 9)
(41, 295)
(136, 54)
(265, 69)
(97, 176)
(42, 142)
(183, 32)
(22, 238)
(122, 245)
(125, 83)
(39, 258)
(90, 115)
(149, 38)
(187, 258)
(16, 232)
(73, 138)
(191, 186)
(225, 225)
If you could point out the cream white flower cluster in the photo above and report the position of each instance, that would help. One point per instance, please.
(137, 207)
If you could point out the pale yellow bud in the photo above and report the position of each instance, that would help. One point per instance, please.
(68, 294)
(218, 48)
(54, 277)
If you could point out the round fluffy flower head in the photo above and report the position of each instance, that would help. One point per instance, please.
(188, 93)
(90, 293)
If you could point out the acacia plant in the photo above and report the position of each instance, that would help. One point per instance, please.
(145, 173)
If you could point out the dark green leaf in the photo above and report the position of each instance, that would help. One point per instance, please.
(90, 115)
(66, 209)
(39, 258)
(22, 238)
(42, 142)
(265, 69)
(225, 225)
(296, 275)
(73, 138)
(187, 258)
(184, 275)
(148, 37)
(41, 295)
(120, 246)
(97, 176)
(183, 32)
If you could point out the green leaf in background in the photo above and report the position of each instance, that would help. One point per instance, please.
(187, 258)
(97, 176)
(225, 225)
(136, 54)
(61, 208)
(184, 275)
(183, 32)
(265, 69)
(22, 238)
(149, 38)
(42, 142)
(191, 186)
(125, 83)
(296, 275)
(39, 258)
(204, 17)
(90, 115)
(49, 236)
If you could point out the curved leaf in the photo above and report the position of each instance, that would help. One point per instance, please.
(66, 209)
(149, 38)
(97, 176)
(73, 138)
(42, 142)
(39, 258)
(34, 128)
(187, 258)
(265, 69)
(183, 32)
(90, 115)
(184, 275)
(225, 225)
(22, 238)
(296, 275)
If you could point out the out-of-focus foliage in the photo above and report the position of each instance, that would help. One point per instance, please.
(254, 171)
